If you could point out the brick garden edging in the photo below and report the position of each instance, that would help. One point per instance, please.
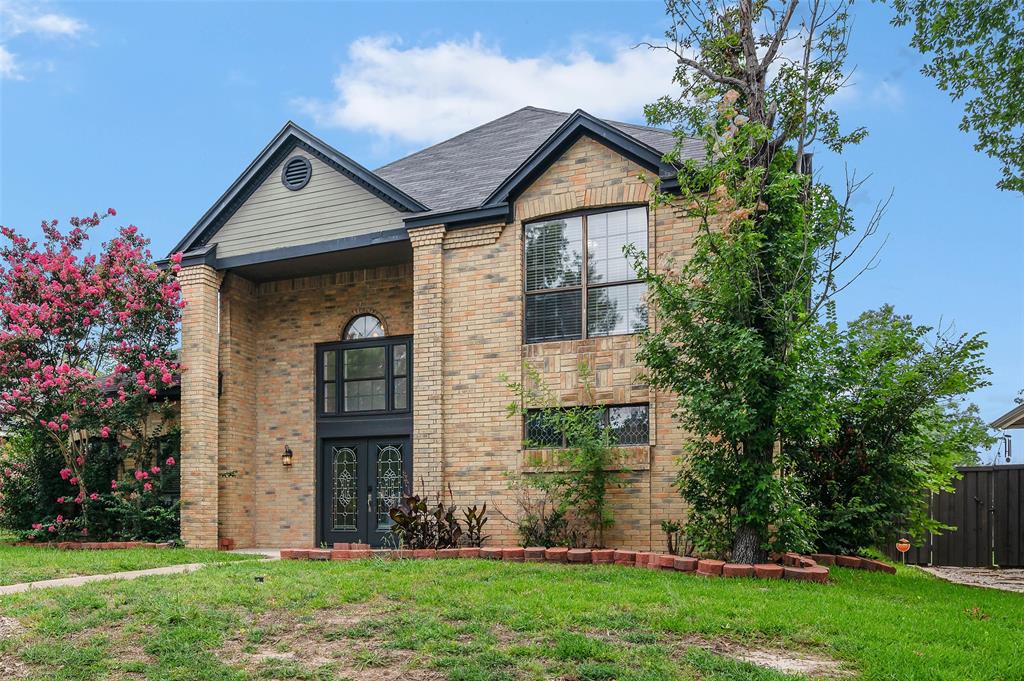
(792, 566)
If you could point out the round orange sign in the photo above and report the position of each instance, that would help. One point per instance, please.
(903, 545)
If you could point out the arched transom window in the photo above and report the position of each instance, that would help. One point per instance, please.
(364, 326)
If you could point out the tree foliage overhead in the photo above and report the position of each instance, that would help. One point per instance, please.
(977, 54)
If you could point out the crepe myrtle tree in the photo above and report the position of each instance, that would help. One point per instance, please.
(85, 338)
(753, 80)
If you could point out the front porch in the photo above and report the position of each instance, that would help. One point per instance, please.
(285, 356)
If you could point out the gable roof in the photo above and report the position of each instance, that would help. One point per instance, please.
(284, 142)
(465, 179)
(462, 172)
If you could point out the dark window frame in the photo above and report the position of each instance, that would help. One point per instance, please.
(606, 415)
(389, 343)
(584, 286)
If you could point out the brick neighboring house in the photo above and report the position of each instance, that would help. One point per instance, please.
(361, 320)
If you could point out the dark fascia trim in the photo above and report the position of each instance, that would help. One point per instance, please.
(464, 217)
(289, 137)
(204, 255)
(318, 248)
(578, 124)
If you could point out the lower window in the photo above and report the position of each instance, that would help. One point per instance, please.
(630, 425)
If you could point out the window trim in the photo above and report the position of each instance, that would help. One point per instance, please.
(389, 342)
(584, 284)
(607, 411)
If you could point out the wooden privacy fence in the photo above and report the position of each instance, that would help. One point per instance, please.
(987, 509)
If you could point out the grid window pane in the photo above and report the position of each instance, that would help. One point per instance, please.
(365, 363)
(554, 316)
(607, 235)
(401, 394)
(400, 361)
(616, 309)
(364, 326)
(538, 433)
(554, 254)
(330, 365)
(330, 397)
(365, 395)
(630, 424)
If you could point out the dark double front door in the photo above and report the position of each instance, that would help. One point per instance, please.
(363, 479)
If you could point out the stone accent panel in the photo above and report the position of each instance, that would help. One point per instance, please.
(200, 288)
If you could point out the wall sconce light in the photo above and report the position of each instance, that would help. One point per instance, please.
(286, 458)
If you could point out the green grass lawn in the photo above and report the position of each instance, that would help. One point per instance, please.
(32, 563)
(490, 620)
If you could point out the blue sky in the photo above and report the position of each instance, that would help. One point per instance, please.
(155, 108)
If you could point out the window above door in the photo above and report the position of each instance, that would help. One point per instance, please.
(365, 377)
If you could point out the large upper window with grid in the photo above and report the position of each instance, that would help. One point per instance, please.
(567, 300)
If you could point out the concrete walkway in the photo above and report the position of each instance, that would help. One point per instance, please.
(85, 579)
(989, 578)
(268, 554)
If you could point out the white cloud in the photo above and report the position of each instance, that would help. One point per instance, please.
(18, 18)
(425, 94)
(8, 65)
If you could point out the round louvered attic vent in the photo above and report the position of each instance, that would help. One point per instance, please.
(296, 173)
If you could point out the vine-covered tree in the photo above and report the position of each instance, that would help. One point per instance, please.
(754, 79)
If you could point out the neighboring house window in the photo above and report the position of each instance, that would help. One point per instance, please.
(363, 326)
(630, 425)
(564, 299)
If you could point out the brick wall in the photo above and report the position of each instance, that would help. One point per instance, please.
(200, 286)
(483, 283)
(462, 299)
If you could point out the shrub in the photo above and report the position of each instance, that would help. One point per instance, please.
(586, 465)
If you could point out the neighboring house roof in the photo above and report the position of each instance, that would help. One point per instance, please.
(1011, 419)
(467, 178)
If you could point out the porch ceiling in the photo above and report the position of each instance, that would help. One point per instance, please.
(377, 255)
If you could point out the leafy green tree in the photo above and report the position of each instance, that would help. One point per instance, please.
(754, 83)
(977, 54)
(893, 394)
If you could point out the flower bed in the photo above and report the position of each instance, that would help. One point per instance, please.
(792, 566)
(98, 545)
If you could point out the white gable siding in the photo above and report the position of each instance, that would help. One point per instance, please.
(331, 206)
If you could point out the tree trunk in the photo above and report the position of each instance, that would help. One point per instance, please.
(746, 546)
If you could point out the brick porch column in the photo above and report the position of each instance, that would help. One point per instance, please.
(428, 358)
(200, 285)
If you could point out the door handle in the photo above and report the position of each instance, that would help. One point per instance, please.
(369, 500)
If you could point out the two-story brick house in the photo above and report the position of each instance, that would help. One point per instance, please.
(346, 329)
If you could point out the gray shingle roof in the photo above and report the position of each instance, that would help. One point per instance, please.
(462, 171)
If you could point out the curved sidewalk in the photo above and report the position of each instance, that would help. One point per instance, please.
(131, 574)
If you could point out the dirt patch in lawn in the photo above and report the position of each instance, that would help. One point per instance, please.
(10, 627)
(341, 638)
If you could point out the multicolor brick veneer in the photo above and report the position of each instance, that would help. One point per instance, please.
(461, 297)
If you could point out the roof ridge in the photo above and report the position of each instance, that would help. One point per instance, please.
(464, 133)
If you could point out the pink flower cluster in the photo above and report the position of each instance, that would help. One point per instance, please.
(83, 335)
